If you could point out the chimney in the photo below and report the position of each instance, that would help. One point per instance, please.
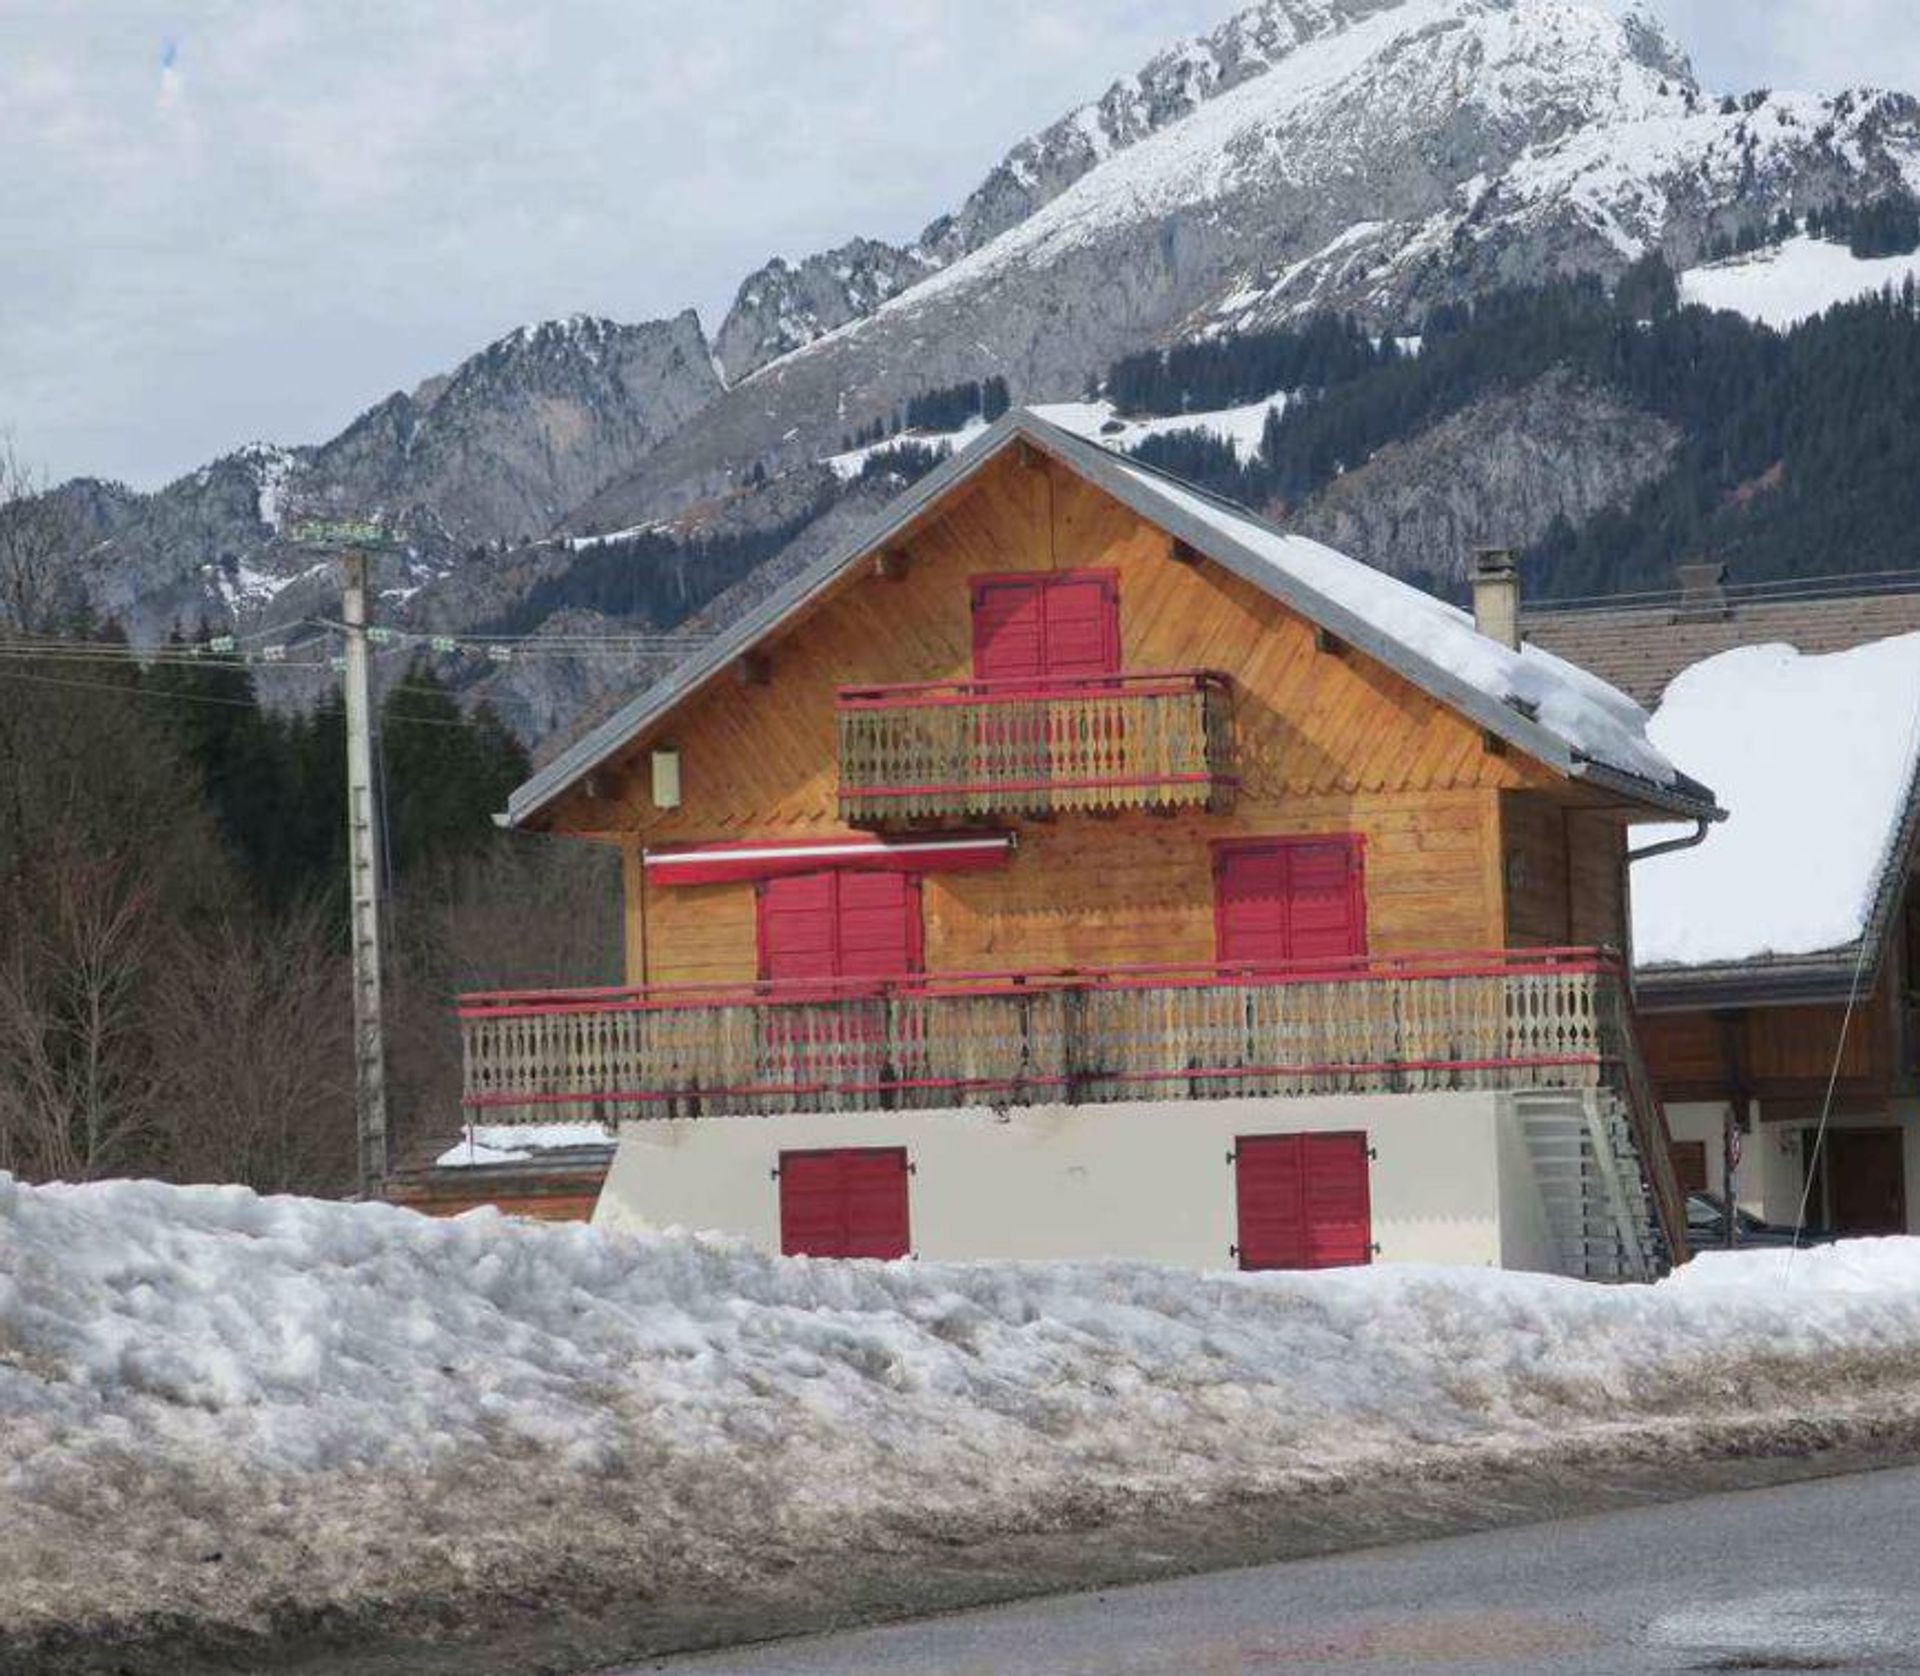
(1703, 592)
(1496, 595)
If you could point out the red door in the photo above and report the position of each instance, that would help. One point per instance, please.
(1289, 899)
(1054, 626)
(845, 1202)
(1303, 1201)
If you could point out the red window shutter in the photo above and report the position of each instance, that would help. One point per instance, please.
(879, 925)
(1029, 628)
(1009, 630)
(1250, 903)
(797, 927)
(1323, 920)
(874, 1193)
(1338, 1200)
(1083, 626)
(847, 1202)
(1267, 1186)
(1289, 899)
(1303, 1201)
(838, 924)
(811, 1224)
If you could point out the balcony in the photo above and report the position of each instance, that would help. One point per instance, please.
(972, 748)
(1511, 1019)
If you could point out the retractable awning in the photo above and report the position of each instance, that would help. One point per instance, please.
(712, 864)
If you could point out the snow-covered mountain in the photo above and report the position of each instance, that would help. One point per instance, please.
(1378, 156)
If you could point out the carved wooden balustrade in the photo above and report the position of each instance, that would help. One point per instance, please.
(963, 748)
(1510, 1019)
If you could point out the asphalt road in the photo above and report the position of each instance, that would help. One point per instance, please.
(1822, 1575)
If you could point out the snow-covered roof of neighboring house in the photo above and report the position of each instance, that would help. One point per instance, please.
(1560, 715)
(1817, 758)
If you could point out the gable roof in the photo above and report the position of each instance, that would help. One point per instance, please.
(1560, 715)
(1798, 892)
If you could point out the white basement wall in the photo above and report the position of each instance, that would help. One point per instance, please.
(1452, 1182)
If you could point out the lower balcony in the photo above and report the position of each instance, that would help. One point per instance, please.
(971, 748)
(1504, 1020)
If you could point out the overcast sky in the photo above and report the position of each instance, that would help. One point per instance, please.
(223, 220)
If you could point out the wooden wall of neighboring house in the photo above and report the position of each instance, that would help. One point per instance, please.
(1561, 869)
(1327, 741)
(1774, 1053)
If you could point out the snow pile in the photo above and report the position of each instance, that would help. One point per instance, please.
(1593, 719)
(1794, 281)
(210, 1400)
(1812, 757)
(516, 1143)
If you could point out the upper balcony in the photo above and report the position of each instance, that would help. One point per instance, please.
(948, 749)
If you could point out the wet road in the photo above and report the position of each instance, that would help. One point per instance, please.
(1814, 1576)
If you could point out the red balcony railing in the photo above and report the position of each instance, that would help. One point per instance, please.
(970, 748)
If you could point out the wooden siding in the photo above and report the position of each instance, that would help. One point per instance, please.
(1769, 1053)
(1326, 741)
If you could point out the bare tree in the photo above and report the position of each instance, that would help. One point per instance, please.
(256, 1081)
(38, 544)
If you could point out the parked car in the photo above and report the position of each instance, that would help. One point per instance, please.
(1707, 1227)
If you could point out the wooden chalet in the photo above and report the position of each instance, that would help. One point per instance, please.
(1789, 1064)
(1075, 865)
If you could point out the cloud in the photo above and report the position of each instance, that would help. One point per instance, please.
(294, 208)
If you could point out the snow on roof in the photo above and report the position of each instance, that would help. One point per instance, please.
(1593, 719)
(1814, 756)
(511, 1143)
(1794, 281)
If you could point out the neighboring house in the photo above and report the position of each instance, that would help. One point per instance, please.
(1076, 866)
(552, 1172)
(1775, 963)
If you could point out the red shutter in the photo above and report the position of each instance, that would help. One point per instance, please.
(848, 1202)
(1009, 630)
(797, 927)
(1289, 899)
(1028, 628)
(1338, 1200)
(1267, 1170)
(1324, 918)
(839, 925)
(1303, 1201)
(879, 924)
(1083, 625)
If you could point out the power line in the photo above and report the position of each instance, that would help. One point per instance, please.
(130, 690)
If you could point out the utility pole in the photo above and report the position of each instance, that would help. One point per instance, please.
(353, 542)
(363, 887)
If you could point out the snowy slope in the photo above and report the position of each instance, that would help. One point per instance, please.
(211, 1402)
(1812, 757)
(1241, 428)
(1795, 280)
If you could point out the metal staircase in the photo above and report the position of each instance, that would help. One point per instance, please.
(1599, 1204)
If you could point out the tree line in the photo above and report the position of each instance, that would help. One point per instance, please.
(1800, 453)
(174, 996)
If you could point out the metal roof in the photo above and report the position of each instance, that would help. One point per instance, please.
(1134, 484)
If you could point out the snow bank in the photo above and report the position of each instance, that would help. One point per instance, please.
(211, 1402)
(1812, 757)
(1590, 717)
(1794, 280)
(516, 1143)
